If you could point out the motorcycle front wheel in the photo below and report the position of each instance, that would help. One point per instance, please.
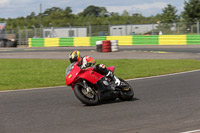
(127, 93)
(88, 98)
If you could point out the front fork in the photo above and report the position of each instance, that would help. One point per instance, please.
(88, 88)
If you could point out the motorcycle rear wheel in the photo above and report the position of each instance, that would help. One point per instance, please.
(126, 95)
(91, 99)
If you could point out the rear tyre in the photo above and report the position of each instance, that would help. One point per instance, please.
(86, 98)
(127, 93)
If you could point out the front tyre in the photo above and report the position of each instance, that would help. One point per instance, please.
(88, 98)
(126, 93)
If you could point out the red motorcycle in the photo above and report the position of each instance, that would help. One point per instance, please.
(91, 88)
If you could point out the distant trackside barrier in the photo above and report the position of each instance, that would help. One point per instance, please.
(122, 40)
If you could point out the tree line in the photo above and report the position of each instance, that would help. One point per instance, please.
(95, 15)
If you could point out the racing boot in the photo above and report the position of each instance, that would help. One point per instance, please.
(113, 78)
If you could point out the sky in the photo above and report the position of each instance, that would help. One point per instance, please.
(18, 8)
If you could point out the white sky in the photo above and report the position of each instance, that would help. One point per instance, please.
(17, 8)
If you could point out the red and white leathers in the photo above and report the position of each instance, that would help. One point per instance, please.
(88, 61)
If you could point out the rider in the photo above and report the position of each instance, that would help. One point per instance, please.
(87, 61)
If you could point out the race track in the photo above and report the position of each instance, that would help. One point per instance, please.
(125, 52)
(167, 104)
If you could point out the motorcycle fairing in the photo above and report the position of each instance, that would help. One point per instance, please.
(87, 74)
(90, 76)
(111, 68)
(72, 75)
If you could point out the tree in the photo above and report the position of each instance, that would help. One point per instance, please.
(32, 15)
(62, 17)
(2, 19)
(94, 10)
(191, 10)
(169, 14)
(51, 10)
(68, 12)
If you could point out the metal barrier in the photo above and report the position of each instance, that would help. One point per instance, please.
(121, 40)
(23, 33)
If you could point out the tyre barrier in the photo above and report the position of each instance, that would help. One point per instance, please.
(106, 46)
(99, 46)
(114, 45)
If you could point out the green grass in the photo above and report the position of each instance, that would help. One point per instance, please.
(33, 73)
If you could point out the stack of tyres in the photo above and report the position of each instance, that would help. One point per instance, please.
(114, 45)
(99, 46)
(106, 46)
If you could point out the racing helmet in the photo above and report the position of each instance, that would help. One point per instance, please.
(75, 56)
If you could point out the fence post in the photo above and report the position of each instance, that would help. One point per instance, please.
(76, 32)
(52, 30)
(174, 24)
(41, 31)
(126, 30)
(197, 25)
(26, 35)
(34, 31)
(152, 27)
(19, 32)
(131, 27)
(90, 29)
(178, 28)
(69, 32)
(69, 26)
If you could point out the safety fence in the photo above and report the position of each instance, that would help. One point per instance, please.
(22, 33)
(122, 40)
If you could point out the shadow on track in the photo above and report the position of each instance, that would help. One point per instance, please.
(116, 101)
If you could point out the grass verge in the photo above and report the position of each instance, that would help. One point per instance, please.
(33, 73)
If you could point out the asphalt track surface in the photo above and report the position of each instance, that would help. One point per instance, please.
(167, 104)
(183, 49)
(125, 52)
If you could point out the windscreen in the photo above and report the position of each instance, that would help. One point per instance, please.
(69, 68)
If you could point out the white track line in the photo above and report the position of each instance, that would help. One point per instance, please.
(32, 89)
(194, 131)
(163, 75)
(126, 80)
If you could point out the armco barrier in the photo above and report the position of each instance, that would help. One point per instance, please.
(96, 38)
(193, 39)
(122, 40)
(51, 42)
(145, 40)
(30, 42)
(36, 42)
(81, 41)
(66, 41)
(172, 40)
